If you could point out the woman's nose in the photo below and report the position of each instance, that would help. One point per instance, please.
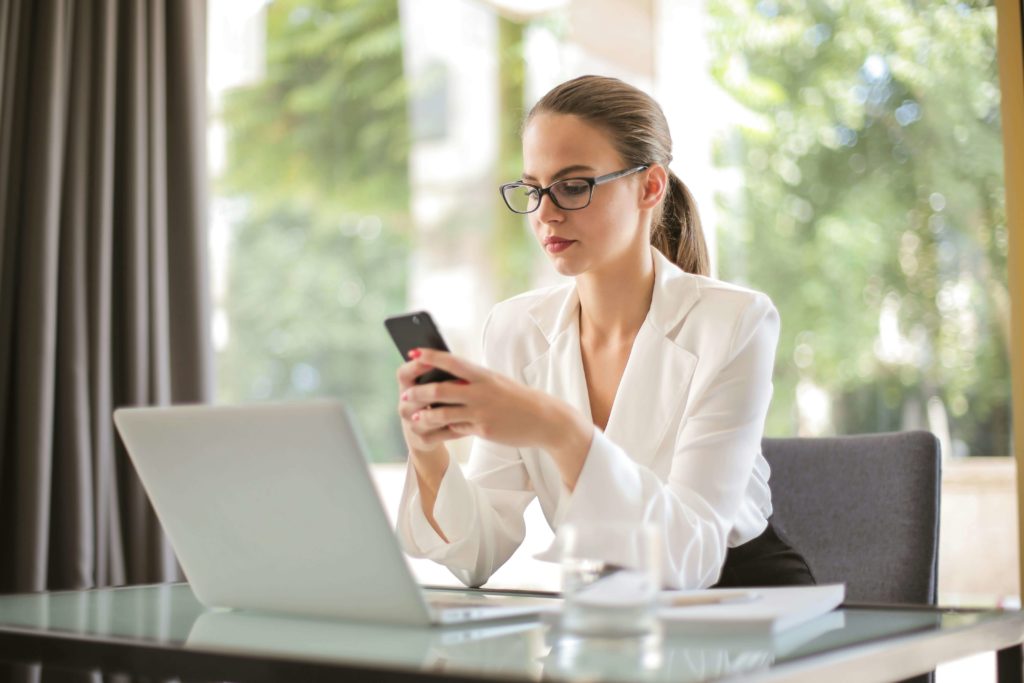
(548, 211)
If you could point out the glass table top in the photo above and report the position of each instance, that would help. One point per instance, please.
(170, 616)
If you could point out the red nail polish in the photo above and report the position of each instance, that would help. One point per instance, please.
(415, 353)
(461, 381)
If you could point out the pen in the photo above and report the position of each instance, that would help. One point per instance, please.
(717, 597)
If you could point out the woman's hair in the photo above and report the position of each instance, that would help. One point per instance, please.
(639, 132)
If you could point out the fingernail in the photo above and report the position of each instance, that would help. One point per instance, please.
(405, 396)
(461, 381)
(415, 353)
(415, 416)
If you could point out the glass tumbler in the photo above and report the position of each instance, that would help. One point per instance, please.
(610, 578)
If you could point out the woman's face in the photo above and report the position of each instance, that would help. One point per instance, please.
(557, 146)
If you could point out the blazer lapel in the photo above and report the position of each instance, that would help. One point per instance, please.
(655, 380)
(559, 370)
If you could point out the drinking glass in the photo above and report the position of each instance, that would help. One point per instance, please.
(610, 578)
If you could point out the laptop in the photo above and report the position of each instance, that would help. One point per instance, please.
(272, 507)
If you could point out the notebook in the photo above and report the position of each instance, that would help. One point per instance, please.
(754, 610)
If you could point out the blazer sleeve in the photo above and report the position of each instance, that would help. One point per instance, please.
(717, 442)
(480, 511)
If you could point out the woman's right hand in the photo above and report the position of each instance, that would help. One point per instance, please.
(424, 444)
(427, 451)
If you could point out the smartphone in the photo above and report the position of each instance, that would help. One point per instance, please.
(417, 330)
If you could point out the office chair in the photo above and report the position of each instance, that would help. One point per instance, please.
(863, 510)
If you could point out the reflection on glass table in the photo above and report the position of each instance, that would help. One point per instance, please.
(168, 620)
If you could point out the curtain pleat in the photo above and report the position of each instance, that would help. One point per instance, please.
(131, 246)
(191, 359)
(102, 275)
(36, 295)
(163, 560)
(13, 85)
(109, 552)
(73, 524)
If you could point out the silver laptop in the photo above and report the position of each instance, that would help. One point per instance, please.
(272, 507)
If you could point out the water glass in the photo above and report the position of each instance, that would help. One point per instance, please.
(610, 578)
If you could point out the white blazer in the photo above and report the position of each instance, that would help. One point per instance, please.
(681, 448)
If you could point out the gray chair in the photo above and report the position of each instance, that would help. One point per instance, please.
(863, 510)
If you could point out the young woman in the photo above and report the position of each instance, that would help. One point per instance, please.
(635, 393)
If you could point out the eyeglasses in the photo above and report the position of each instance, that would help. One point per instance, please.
(569, 194)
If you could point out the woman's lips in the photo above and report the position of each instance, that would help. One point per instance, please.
(556, 246)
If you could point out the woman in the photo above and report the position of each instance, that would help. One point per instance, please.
(636, 393)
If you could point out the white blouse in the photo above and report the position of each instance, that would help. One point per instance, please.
(681, 448)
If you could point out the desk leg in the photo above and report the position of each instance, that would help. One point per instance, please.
(1010, 665)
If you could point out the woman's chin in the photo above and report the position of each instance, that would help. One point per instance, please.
(566, 267)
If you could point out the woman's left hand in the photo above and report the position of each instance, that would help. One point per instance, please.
(492, 406)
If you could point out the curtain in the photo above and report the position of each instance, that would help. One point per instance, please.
(103, 297)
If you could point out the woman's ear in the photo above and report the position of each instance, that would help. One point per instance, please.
(655, 184)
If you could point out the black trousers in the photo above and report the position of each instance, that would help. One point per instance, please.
(768, 560)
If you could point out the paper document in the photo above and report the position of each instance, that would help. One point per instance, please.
(765, 610)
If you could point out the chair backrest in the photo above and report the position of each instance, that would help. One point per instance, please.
(863, 510)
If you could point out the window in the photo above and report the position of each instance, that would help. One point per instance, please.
(846, 158)
(311, 205)
(871, 207)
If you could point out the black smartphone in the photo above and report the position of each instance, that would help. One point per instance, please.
(417, 330)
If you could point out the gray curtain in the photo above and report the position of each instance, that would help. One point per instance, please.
(103, 298)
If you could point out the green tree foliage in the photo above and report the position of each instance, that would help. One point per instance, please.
(872, 197)
(317, 167)
(513, 246)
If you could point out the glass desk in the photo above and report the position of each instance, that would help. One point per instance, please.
(162, 631)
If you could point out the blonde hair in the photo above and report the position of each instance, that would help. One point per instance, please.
(639, 132)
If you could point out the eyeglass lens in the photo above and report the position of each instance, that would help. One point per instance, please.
(567, 194)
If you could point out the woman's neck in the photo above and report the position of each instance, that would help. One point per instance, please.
(614, 300)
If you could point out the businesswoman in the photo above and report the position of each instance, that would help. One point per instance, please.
(635, 393)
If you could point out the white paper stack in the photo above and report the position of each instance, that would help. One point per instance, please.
(753, 610)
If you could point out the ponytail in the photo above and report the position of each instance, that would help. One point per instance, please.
(677, 232)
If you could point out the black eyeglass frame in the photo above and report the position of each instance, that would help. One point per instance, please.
(592, 182)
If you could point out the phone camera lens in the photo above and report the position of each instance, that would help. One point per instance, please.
(415, 320)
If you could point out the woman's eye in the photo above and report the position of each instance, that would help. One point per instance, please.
(570, 189)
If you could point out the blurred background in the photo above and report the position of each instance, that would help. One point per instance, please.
(846, 158)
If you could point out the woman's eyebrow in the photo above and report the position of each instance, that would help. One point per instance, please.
(565, 171)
